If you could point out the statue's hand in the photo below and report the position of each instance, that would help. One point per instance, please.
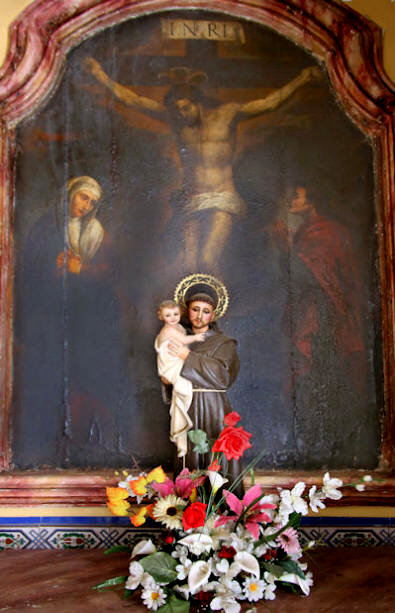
(312, 73)
(200, 337)
(93, 66)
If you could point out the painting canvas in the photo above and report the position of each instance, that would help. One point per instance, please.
(206, 145)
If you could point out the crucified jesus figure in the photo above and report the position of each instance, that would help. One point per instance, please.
(206, 138)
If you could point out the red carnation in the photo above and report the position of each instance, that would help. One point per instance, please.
(233, 442)
(227, 552)
(194, 516)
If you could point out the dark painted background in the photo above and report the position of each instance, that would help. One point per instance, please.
(85, 386)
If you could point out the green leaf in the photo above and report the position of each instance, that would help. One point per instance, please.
(199, 437)
(160, 566)
(127, 594)
(291, 567)
(175, 605)
(117, 549)
(110, 582)
(274, 569)
(294, 519)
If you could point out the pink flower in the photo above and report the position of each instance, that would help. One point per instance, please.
(254, 516)
(182, 486)
(288, 541)
(232, 418)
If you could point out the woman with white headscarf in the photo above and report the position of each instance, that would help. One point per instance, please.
(83, 232)
(71, 372)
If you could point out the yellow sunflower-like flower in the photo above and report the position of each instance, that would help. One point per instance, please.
(169, 511)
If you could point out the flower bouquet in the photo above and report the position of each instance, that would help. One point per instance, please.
(216, 549)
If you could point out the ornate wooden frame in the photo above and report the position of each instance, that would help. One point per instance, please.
(351, 48)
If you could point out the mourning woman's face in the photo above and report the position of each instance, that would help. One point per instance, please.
(83, 203)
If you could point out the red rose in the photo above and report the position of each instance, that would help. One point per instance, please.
(232, 442)
(232, 419)
(194, 516)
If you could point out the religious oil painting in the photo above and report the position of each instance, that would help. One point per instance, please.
(180, 143)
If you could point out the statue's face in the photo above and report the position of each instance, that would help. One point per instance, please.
(299, 203)
(170, 315)
(82, 204)
(200, 315)
(188, 111)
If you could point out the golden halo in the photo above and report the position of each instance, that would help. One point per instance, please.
(201, 279)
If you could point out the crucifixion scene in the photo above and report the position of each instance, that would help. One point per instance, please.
(191, 145)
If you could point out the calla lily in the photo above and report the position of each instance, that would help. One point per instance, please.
(143, 548)
(197, 543)
(247, 563)
(198, 575)
(216, 480)
(304, 584)
(183, 590)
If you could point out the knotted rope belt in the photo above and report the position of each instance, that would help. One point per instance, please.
(200, 389)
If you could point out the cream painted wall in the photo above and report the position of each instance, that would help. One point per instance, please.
(381, 12)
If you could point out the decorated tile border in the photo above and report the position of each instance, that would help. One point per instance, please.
(102, 533)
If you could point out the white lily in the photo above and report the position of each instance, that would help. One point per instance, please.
(137, 575)
(248, 563)
(197, 543)
(293, 499)
(143, 548)
(225, 601)
(216, 480)
(183, 568)
(221, 567)
(198, 575)
(316, 499)
(330, 485)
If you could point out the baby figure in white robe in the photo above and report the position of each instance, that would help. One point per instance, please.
(169, 367)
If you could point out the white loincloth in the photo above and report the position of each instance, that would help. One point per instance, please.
(229, 202)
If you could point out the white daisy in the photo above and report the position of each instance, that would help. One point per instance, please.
(169, 511)
(253, 589)
(153, 597)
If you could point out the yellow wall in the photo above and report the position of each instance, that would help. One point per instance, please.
(381, 12)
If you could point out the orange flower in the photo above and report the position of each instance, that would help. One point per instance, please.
(139, 518)
(138, 486)
(117, 503)
(119, 508)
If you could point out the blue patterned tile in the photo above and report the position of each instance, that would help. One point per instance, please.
(100, 533)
